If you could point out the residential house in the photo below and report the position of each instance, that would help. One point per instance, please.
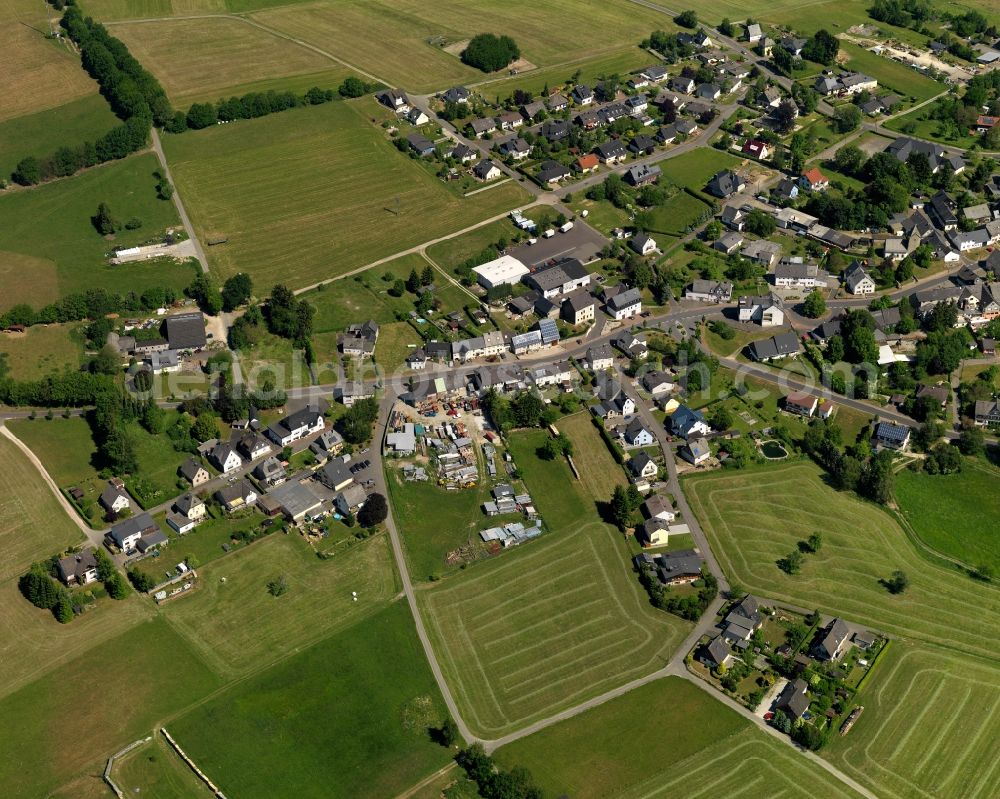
(831, 646)
(270, 472)
(350, 499)
(936, 155)
(417, 117)
(625, 304)
(611, 152)
(299, 424)
(557, 102)
(480, 127)
(858, 281)
(631, 345)
(636, 434)
(987, 413)
(510, 120)
(126, 534)
(891, 435)
(726, 184)
(756, 148)
(708, 91)
(360, 339)
(794, 273)
(728, 242)
(716, 653)
(709, 291)
(657, 383)
(643, 467)
(677, 568)
(531, 110)
(642, 174)
(687, 423)
(660, 507)
(764, 311)
(742, 621)
(655, 73)
(814, 180)
(456, 94)
(463, 153)
(587, 163)
(486, 170)
(653, 533)
(224, 457)
(783, 345)
(643, 243)
(801, 404)
(191, 506)
(637, 104)
(786, 191)
(733, 218)
(753, 33)
(696, 451)
(681, 84)
(642, 145)
(793, 700)
(761, 251)
(114, 498)
(578, 307)
(240, 494)
(583, 95)
(599, 358)
(395, 100)
(793, 45)
(686, 127)
(420, 144)
(552, 172)
(78, 569)
(151, 540)
(253, 445)
(194, 472)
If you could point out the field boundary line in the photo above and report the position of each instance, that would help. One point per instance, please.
(192, 765)
(111, 762)
(481, 189)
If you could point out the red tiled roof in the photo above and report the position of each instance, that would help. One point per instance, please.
(815, 176)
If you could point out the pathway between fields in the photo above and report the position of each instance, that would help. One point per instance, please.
(178, 204)
(96, 537)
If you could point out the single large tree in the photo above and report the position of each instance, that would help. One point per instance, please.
(236, 290)
(374, 511)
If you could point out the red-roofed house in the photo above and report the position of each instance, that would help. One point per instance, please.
(756, 148)
(587, 163)
(814, 180)
(801, 404)
(985, 124)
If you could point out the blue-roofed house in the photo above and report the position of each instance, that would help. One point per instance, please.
(687, 423)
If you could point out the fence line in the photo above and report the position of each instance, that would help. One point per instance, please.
(191, 764)
(114, 757)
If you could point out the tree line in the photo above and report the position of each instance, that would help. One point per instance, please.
(135, 96)
(40, 587)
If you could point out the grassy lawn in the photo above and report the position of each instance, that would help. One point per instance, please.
(694, 169)
(755, 517)
(401, 53)
(554, 621)
(929, 727)
(448, 254)
(32, 523)
(66, 449)
(890, 74)
(927, 128)
(602, 214)
(42, 349)
(49, 746)
(237, 626)
(284, 189)
(42, 133)
(727, 347)
(346, 718)
(156, 770)
(158, 463)
(598, 471)
(205, 59)
(395, 342)
(667, 738)
(36, 74)
(50, 227)
(677, 214)
(955, 513)
(274, 357)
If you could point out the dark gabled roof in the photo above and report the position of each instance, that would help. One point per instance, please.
(624, 299)
(836, 633)
(136, 524)
(776, 346)
(890, 431)
(793, 698)
(635, 427)
(718, 650)
(555, 275)
(77, 565)
(186, 331)
(683, 563)
(190, 468)
(610, 149)
(639, 462)
(725, 183)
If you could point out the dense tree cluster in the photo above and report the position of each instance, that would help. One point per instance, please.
(493, 782)
(287, 316)
(91, 304)
(822, 48)
(356, 424)
(525, 409)
(236, 291)
(250, 106)
(38, 587)
(489, 52)
(668, 45)
(687, 607)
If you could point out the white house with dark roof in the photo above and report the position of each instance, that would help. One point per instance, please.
(625, 304)
(224, 457)
(299, 424)
(78, 569)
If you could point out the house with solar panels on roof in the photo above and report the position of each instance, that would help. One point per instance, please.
(889, 435)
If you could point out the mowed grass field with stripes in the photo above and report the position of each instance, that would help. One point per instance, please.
(668, 738)
(754, 518)
(553, 622)
(929, 729)
(309, 194)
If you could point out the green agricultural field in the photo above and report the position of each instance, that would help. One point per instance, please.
(42, 133)
(551, 623)
(66, 448)
(36, 74)
(955, 514)
(694, 169)
(890, 74)
(237, 626)
(155, 771)
(50, 746)
(756, 517)
(929, 727)
(347, 718)
(52, 222)
(41, 350)
(286, 191)
(210, 58)
(399, 48)
(33, 524)
(597, 754)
